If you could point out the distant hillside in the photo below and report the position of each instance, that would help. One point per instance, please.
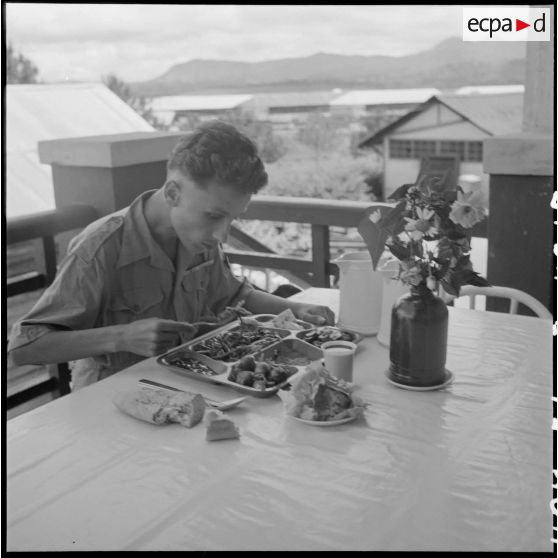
(451, 63)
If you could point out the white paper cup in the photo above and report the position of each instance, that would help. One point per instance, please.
(338, 358)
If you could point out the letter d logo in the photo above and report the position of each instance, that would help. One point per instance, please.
(540, 28)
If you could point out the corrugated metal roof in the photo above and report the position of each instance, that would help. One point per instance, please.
(489, 89)
(385, 97)
(53, 111)
(198, 102)
(494, 114)
(294, 99)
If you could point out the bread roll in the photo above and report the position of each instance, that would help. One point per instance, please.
(220, 427)
(162, 406)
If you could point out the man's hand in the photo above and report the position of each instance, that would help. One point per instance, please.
(314, 314)
(153, 336)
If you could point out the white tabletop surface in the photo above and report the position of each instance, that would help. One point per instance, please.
(468, 467)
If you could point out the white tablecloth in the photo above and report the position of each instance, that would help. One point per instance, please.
(468, 467)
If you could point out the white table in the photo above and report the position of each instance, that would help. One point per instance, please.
(464, 468)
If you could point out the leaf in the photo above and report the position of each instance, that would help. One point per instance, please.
(478, 280)
(400, 192)
(374, 237)
(399, 250)
(394, 221)
(448, 286)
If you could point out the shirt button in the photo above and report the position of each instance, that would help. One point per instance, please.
(136, 307)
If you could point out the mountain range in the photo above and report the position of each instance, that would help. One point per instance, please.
(451, 63)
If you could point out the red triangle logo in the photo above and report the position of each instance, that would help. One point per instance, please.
(519, 25)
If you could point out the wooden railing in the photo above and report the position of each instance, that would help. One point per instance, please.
(316, 271)
(45, 225)
(321, 214)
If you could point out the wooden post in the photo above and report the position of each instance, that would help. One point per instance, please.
(320, 255)
(107, 172)
(521, 169)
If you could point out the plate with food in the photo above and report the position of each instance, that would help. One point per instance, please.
(284, 320)
(315, 397)
(326, 422)
(318, 335)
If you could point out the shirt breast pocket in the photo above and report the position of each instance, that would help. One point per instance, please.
(195, 286)
(136, 304)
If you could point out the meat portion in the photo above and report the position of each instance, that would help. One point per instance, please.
(329, 402)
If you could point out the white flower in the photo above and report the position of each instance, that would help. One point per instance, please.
(417, 228)
(468, 209)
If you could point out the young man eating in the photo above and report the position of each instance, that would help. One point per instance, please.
(134, 282)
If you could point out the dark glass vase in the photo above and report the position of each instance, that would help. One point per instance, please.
(418, 339)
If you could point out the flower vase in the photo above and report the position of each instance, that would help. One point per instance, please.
(418, 340)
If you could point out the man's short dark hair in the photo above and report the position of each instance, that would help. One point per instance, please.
(218, 151)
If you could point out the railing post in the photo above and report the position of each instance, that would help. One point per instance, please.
(521, 169)
(320, 255)
(107, 172)
(49, 249)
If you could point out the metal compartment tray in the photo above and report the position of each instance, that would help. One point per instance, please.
(217, 363)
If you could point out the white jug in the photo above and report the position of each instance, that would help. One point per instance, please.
(360, 293)
(391, 291)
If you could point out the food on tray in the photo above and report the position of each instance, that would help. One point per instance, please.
(319, 335)
(219, 427)
(287, 320)
(316, 395)
(259, 374)
(235, 343)
(192, 364)
(162, 406)
(290, 356)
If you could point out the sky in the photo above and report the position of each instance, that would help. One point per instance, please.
(139, 42)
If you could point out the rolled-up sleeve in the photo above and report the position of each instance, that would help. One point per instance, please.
(226, 289)
(71, 302)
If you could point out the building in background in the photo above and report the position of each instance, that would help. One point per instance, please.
(393, 102)
(185, 111)
(489, 89)
(288, 111)
(37, 112)
(445, 125)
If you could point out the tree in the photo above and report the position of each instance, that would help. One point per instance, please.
(270, 146)
(323, 134)
(19, 68)
(139, 104)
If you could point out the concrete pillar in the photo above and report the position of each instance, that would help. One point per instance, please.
(521, 169)
(109, 171)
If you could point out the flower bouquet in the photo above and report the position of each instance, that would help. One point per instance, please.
(428, 231)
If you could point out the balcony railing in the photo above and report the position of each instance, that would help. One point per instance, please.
(45, 226)
(245, 250)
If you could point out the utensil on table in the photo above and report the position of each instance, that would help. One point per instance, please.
(220, 405)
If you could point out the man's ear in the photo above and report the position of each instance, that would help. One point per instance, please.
(171, 191)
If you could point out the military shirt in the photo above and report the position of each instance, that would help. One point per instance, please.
(116, 273)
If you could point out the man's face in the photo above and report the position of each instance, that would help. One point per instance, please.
(203, 215)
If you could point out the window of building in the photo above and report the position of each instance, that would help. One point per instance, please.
(424, 148)
(474, 151)
(401, 149)
(453, 148)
